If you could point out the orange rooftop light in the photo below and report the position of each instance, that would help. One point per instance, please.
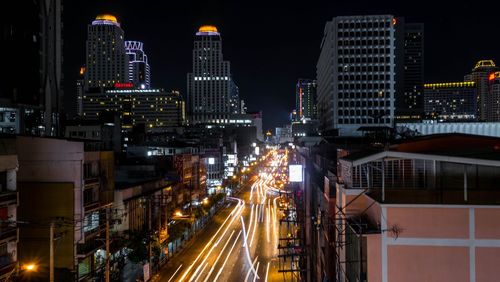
(107, 17)
(207, 28)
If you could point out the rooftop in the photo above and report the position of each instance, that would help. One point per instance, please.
(208, 30)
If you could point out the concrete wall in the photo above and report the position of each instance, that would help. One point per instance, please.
(50, 168)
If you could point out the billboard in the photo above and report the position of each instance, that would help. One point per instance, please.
(295, 173)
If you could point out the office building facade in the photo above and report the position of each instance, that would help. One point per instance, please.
(139, 72)
(409, 70)
(152, 107)
(453, 101)
(209, 83)
(356, 74)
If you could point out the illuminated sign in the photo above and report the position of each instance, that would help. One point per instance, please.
(211, 161)
(257, 151)
(492, 76)
(295, 173)
(124, 85)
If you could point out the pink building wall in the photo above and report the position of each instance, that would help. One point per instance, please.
(430, 222)
(428, 263)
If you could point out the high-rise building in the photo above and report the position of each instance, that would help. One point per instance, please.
(139, 72)
(151, 107)
(305, 99)
(356, 74)
(409, 70)
(209, 83)
(243, 106)
(370, 72)
(480, 74)
(80, 91)
(235, 98)
(452, 101)
(494, 97)
(31, 90)
(107, 61)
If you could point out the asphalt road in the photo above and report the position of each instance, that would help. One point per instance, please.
(240, 244)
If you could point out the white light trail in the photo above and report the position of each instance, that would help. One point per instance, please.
(267, 271)
(218, 241)
(257, 269)
(218, 257)
(227, 257)
(173, 275)
(246, 246)
(239, 207)
(249, 270)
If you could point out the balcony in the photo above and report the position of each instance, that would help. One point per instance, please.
(8, 197)
(7, 232)
(87, 248)
(7, 264)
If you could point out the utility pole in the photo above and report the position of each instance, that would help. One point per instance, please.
(107, 246)
(51, 260)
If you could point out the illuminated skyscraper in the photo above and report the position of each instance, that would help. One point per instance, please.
(480, 74)
(107, 62)
(138, 67)
(209, 83)
(494, 97)
(356, 74)
(305, 99)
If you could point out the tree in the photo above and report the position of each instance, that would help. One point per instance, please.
(138, 245)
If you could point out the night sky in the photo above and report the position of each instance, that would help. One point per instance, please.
(273, 43)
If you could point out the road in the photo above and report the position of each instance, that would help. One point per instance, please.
(241, 242)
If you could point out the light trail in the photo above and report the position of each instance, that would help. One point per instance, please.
(218, 257)
(254, 225)
(246, 246)
(216, 244)
(249, 270)
(250, 222)
(257, 268)
(267, 271)
(238, 206)
(227, 257)
(173, 275)
(267, 224)
(203, 269)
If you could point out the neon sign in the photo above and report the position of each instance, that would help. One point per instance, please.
(124, 85)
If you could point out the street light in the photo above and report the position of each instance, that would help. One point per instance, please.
(30, 267)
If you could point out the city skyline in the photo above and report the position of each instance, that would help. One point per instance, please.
(133, 146)
(255, 62)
